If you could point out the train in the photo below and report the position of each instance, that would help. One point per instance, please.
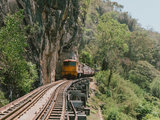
(72, 69)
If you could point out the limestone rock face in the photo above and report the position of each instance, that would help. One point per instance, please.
(58, 34)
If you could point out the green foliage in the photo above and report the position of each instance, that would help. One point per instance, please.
(12, 37)
(112, 45)
(112, 36)
(150, 117)
(3, 100)
(124, 100)
(86, 58)
(118, 44)
(143, 109)
(113, 115)
(143, 74)
(85, 5)
(101, 77)
(18, 74)
(156, 54)
(124, 18)
(112, 33)
(155, 87)
(83, 11)
(140, 47)
(29, 76)
(102, 82)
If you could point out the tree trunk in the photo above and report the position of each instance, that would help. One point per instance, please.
(110, 76)
(104, 65)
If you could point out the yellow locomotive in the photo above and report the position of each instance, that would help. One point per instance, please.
(69, 68)
(73, 69)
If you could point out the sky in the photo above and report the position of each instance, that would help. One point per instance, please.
(147, 12)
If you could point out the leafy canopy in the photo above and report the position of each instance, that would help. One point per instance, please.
(86, 58)
(18, 74)
(112, 38)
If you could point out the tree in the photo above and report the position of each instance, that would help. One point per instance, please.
(143, 74)
(156, 56)
(18, 75)
(112, 38)
(124, 18)
(155, 87)
(86, 58)
(140, 47)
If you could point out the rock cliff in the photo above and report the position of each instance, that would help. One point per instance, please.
(58, 33)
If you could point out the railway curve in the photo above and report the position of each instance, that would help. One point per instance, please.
(55, 101)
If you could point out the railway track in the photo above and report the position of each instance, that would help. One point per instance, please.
(46, 102)
(55, 108)
(54, 101)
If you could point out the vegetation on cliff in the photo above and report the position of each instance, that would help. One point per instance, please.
(16, 74)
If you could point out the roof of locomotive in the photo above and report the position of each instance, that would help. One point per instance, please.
(68, 60)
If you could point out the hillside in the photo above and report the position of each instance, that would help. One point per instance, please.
(124, 100)
(127, 56)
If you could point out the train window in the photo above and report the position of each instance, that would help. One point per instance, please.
(73, 63)
(66, 63)
(69, 63)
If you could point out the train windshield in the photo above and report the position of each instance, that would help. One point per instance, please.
(69, 63)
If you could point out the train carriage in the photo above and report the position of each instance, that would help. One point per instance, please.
(73, 69)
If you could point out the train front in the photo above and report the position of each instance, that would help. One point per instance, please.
(69, 69)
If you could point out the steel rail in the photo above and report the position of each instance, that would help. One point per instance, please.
(53, 105)
(57, 101)
(54, 108)
(68, 99)
(26, 104)
(64, 101)
(21, 99)
(74, 110)
(51, 101)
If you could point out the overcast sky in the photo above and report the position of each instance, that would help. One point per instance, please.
(147, 12)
